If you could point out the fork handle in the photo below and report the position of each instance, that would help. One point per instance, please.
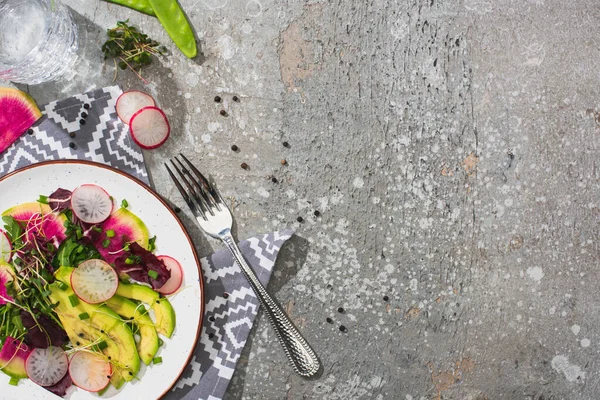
(302, 357)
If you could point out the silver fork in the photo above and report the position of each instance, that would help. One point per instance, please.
(215, 218)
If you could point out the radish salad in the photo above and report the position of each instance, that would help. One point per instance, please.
(82, 292)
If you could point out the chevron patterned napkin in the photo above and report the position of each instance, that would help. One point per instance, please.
(86, 127)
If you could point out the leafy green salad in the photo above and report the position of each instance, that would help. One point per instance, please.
(82, 292)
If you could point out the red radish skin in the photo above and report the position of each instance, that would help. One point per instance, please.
(90, 371)
(91, 203)
(174, 282)
(48, 366)
(131, 102)
(19, 112)
(149, 128)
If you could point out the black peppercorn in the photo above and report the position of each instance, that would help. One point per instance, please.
(30, 131)
(83, 115)
(385, 298)
(225, 295)
(340, 309)
(82, 122)
(234, 147)
(343, 328)
(329, 320)
(286, 144)
(236, 99)
(274, 180)
(72, 145)
(223, 113)
(86, 106)
(72, 134)
(300, 219)
(244, 165)
(317, 213)
(217, 99)
(211, 335)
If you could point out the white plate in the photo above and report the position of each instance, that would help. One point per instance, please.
(172, 239)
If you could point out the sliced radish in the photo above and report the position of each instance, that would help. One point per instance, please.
(176, 278)
(5, 247)
(91, 203)
(94, 281)
(149, 127)
(90, 371)
(47, 366)
(131, 102)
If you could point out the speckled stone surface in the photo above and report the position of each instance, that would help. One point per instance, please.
(450, 148)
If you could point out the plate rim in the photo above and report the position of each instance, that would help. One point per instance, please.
(152, 192)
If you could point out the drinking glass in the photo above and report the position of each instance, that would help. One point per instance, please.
(38, 40)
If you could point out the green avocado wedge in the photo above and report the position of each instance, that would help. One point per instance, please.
(147, 346)
(163, 310)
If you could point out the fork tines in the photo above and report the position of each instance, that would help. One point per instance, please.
(200, 196)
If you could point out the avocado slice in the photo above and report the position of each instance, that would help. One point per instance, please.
(102, 324)
(147, 346)
(163, 310)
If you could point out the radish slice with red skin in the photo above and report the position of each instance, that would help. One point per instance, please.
(94, 281)
(174, 282)
(91, 203)
(149, 128)
(5, 247)
(90, 371)
(131, 102)
(48, 366)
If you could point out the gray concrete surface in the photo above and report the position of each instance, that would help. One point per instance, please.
(451, 148)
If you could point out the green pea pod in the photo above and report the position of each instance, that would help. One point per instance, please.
(173, 19)
(138, 5)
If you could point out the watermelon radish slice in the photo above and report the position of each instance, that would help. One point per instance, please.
(7, 279)
(174, 282)
(131, 102)
(149, 127)
(13, 355)
(126, 227)
(91, 203)
(48, 366)
(38, 219)
(5, 247)
(94, 281)
(90, 371)
(19, 112)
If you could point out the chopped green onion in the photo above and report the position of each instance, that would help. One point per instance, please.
(129, 261)
(102, 345)
(157, 360)
(110, 233)
(62, 285)
(43, 199)
(152, 274)
(96, 229)
(151, 245)
(105, 243)
(124, 203)
(84, 315)
(74, 300)
(14, 381)
(53, 306)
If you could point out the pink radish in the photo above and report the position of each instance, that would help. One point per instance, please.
(149, 127)
(94, 281)
(176, 278)
(91, 203)
(5, 247)
(47, 366)
(90, 371)
(131, 102)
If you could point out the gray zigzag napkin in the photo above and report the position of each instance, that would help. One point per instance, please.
(231, 307)
(230, 303)
(84, 127)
